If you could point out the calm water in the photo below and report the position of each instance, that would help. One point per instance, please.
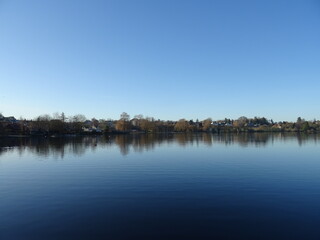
(161, 187)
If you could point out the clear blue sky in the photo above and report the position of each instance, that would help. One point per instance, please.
(163, 58)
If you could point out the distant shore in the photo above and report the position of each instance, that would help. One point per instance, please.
(60, 125)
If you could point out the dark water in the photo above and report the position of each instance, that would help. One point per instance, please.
(161, 187)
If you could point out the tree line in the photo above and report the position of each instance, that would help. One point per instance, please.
(60, 124)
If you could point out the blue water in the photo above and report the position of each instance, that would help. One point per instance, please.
(178, 186)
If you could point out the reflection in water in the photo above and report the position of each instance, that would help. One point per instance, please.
(183, 186)
(57, 147)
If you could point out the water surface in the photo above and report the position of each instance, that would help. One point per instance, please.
(176, 186)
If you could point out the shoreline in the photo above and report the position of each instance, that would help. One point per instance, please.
(145, 133)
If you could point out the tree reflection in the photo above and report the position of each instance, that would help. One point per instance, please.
(59, 147)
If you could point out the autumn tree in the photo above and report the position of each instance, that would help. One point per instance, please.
(181, 126)
(148, 124)
(123, 124)
(240, 122)
(206, 124)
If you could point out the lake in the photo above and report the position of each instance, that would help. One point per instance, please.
(171, 186)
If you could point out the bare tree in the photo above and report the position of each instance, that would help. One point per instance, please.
(148, 124)
(56, 116)
(123, 123)
(125, 116)
(63, 117)
(77, 122)
(241, 122)
(78, 118)
(139, 116)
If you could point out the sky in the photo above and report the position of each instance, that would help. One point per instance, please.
(162, 58)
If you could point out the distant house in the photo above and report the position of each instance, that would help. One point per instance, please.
(277, 126)
(91, 129)
(110, 124)
(250, 125)
(198, 124)
(87, 123)
(8, 119)
(134, 122)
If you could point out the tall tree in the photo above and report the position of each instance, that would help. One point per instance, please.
(206, 124)
(123, 123)
(182, 125)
